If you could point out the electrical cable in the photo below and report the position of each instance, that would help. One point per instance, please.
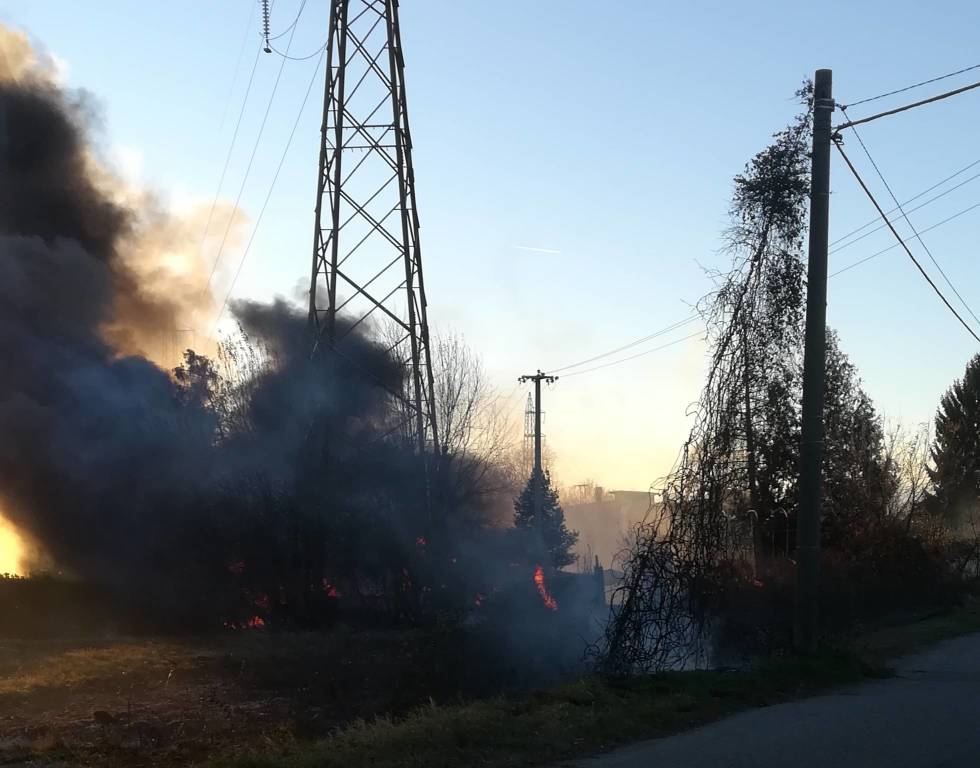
(633, 357)
(224, 170)
(238, 65)
(898, 237)
(895, 245)
(910, 210)
(248, 168)
(258, 220)
(911, 225)
(276, 51)
(288, 29)
(654, 335)
(851, 123)
(270, 48)
(910, 200)
(909, 87)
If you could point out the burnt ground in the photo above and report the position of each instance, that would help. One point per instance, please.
(126, 701)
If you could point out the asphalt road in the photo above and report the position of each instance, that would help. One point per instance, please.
(928, 715)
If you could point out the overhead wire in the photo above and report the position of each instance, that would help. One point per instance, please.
(910, 200)
(248, 168)
(270, 48)
(910, 87)
(288, 29)
(265, 203)
(238, 65)
(896, 245)
(224, 169)
(633, 357)
(898, 237)
(884, 216)
(880, 227)
(631, 344)
(913, 105)
(319, 50)
(911, 225)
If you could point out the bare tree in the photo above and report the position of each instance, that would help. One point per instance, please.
(477, 429)
(906, 454)
(478, 465)
(225, 384)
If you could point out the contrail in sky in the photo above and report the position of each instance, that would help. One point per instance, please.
(536, 250)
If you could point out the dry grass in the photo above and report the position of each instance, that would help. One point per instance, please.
(26, 667)
(574, 720)
(910, 632)
(258, 699)
(591, 716)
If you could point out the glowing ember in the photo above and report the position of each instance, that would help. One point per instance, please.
(549, 602)
(330, 589)
(263, 602)
(256, 622)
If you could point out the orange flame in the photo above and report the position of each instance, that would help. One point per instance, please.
(549, 602)
(255, 622)
(11, 549)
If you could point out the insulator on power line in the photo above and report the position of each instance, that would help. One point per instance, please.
(265, 25)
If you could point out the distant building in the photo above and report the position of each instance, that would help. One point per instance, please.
(604, 520)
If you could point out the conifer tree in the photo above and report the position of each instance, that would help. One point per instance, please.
(555, 536)
(956, 449)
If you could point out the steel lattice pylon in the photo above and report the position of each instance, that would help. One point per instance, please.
(366, 257)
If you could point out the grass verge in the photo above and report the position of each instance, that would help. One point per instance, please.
(590, 716)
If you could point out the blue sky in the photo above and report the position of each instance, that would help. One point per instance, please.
(605, 135)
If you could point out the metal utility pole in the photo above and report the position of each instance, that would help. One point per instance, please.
(367, 263)
(537, 473)
(814, 364)
(527, 448)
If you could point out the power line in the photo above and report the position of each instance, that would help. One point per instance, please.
(276, 51)
(248, 168)
(633, 357)
(258, 220)
(911, 225)
(898, 237)
(654, 335)
(224, 169)
(910, 200)
(238, 65)
(288, 29)
(851, 123)
(910, 210)
(270, 48)
(895, 245)
(909, 87)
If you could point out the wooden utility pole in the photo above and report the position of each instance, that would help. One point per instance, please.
(814, 364)
(537, 473)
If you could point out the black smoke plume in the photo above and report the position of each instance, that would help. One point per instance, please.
(254, 486)
(121, 471)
